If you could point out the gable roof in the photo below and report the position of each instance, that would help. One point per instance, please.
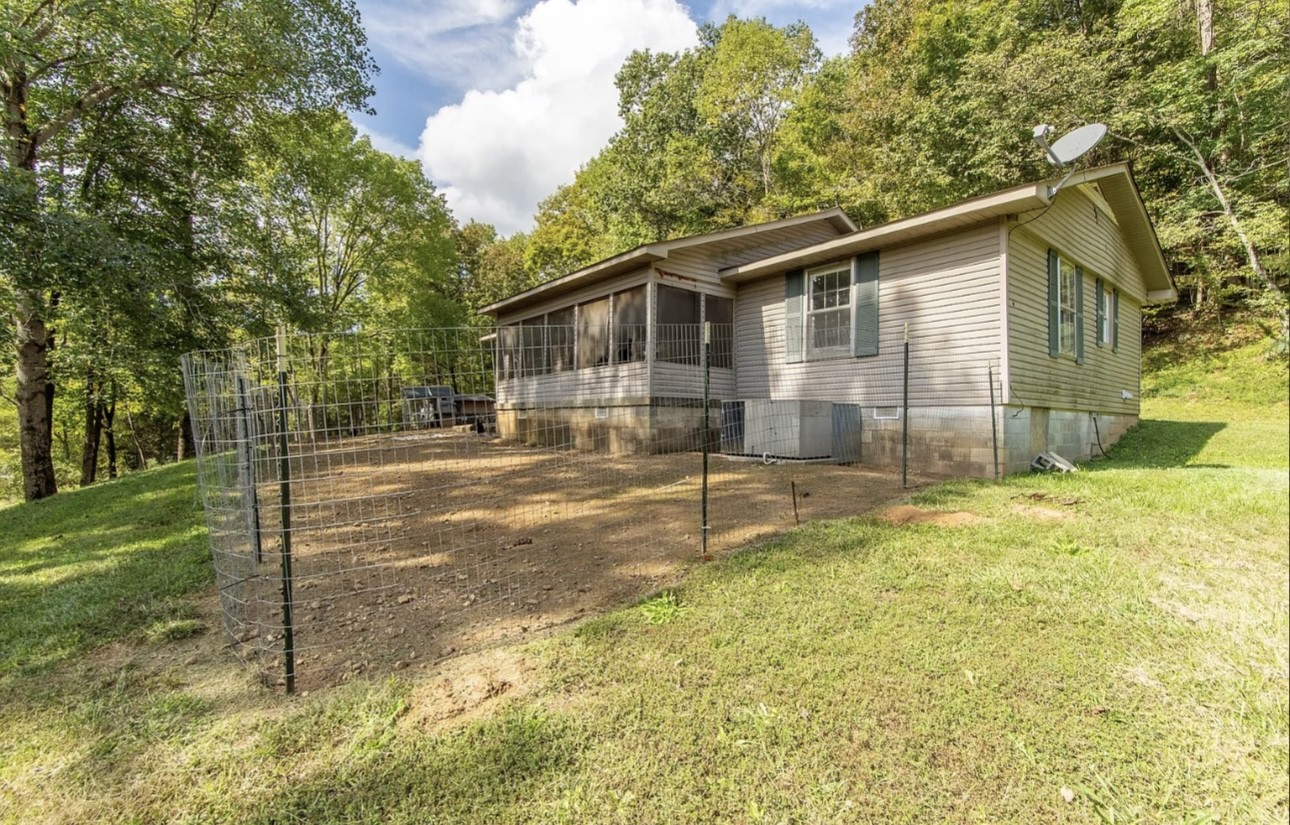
(649, 253)
(1114, 181)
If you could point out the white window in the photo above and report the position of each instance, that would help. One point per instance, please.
(828, 313)
(1067, 307)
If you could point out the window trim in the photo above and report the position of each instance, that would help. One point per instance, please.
(1104, 329)
(846, 310)
(1067, 304)
(1065, 307)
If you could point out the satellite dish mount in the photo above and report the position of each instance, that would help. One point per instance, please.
(1068, 148)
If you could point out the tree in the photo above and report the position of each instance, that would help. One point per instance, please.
(755, 76)
(349, 236)
(342, 230)
(61, 62)
(490, 267)
(1206, 102)
(700, 146)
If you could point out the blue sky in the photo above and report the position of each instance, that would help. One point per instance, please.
(503, 100)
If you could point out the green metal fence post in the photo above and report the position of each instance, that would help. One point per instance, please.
(284, 493)
(904, 435)
(705, 433)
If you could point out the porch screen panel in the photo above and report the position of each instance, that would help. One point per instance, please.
(720, 312)
(679, 335)
(559, 339)
(508, 352)
(630, 328)
(533, 359)
(593, 333)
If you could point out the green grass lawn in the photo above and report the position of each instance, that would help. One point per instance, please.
(1109, 646)
(91, 565)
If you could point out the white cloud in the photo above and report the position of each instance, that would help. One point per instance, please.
(383, 142)
(458, 43)
(496, 154)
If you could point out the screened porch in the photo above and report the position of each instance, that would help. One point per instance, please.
(628, 347)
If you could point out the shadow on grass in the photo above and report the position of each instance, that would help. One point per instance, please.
(1157, 444)
(475, 775)
(86, 567)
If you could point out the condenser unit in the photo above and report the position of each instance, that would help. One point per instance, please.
(778, 429)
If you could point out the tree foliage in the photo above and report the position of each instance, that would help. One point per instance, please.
(77, 81)
(935, 103)
(342, 234)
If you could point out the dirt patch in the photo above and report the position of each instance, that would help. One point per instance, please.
(1044, 507)
(1042, 513)
(410, 550)
(903, 514)
(468, 687)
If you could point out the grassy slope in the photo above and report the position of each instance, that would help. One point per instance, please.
(90, 565)
(1121, 633)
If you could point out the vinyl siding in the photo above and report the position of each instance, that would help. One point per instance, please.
(682, 381)
(698, 269)
(946, 289)
(613, 383)
(1079, 230)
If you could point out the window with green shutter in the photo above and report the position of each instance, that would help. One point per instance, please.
(828, 312)
(831, 311)
(1106, 315)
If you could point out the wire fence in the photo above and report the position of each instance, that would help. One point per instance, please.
(379, 501)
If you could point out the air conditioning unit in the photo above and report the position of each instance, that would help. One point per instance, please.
(779, 429)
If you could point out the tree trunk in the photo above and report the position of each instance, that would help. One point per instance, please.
(134, 436)
(35, 398)
(186, 446)
(1205, 23)
(109, 417)
(1264, 279)
(93, 433)
(35, 387)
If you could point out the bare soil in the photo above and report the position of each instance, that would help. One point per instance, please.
(410, 549)
(903, 514)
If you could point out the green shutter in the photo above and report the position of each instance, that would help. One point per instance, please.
(864, 304)
(1115, 316)
(1079, 315)
(1053, 308)
(794, 296)
(1100, 326)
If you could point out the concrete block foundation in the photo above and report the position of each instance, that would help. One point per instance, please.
(943, 441)
(636, 429)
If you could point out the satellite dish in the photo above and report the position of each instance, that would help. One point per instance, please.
(1073, 146)
(1069, 147)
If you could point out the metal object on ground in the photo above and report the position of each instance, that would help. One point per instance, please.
(1052, 462)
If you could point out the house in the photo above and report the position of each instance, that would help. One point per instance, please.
(1022, 310)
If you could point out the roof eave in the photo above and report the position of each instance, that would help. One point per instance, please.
(631, 259)
(650, 253)
(1018, 199)
(1133, 210)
